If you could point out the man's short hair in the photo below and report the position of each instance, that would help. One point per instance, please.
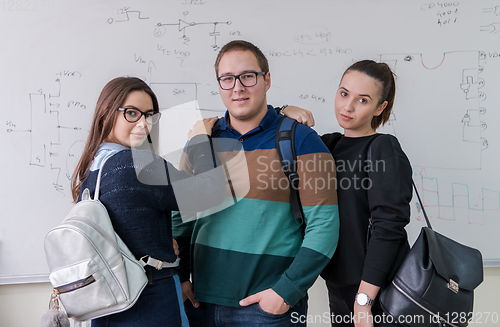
(240, 45)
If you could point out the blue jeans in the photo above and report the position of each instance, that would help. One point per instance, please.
(160, 304)
(212, 315)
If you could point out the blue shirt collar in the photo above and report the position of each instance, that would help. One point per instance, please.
(105, 150)
(265, 123)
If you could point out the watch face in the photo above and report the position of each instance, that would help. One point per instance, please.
(362, 298)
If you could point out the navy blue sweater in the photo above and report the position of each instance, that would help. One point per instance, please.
(137, 189)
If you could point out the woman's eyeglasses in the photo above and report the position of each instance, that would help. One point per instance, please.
(132, 115)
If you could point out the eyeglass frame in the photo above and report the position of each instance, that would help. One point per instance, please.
(237, 77)
(124, 110)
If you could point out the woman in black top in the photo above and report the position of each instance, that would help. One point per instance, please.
(376, 190)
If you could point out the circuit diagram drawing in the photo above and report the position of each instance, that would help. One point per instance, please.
(419, 104)
(125, 15)
(183, 25)
(472, 126)
(445, 136)
(492, 27)
(471, 83)
(53, 141)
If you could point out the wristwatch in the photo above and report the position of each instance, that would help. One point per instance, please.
(280, 110)
(363, 299)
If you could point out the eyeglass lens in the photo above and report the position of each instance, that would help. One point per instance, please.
(133, 115)
(229, 81)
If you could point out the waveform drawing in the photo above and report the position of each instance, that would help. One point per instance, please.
(127, 13)
(461, 208)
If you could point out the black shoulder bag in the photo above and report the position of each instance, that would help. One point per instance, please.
(434, 286)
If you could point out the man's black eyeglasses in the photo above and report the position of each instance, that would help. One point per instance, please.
(133, 115)
(227, 82)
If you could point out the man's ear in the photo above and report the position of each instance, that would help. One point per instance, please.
(268, 80)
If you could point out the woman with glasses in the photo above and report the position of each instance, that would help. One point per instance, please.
(140, 189)
(374, 180)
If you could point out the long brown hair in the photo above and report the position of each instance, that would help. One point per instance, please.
(112, 97)
(381, 72)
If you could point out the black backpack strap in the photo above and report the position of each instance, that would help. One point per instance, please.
(285, 146)
(216, 128)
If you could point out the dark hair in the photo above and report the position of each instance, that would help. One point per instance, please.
(112, 97)
(240, 45)
(381, 72)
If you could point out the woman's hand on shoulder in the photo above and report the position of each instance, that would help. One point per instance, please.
(301, 115)
(202, 127)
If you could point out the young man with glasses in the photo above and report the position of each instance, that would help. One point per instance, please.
(251, 263)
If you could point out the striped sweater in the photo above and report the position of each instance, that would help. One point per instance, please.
(251, 242)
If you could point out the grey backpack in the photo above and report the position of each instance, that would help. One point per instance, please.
(92, 271)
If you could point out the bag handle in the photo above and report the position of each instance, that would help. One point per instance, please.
(422, 206)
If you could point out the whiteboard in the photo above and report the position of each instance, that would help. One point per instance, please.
(57, 55)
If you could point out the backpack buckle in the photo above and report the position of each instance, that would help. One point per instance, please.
(294, 180)
(158, 264)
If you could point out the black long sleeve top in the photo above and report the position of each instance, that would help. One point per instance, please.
(381, 191)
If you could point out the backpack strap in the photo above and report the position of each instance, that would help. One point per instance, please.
(145, 260)
(98, 182)
(285, 135)
(158, 264)
(216, 128)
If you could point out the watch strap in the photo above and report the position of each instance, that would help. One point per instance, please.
(369, 302)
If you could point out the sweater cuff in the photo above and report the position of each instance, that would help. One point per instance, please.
(373, 276)
(285, 288)
(184, 275)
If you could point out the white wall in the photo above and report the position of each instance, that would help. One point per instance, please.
(22, 305)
